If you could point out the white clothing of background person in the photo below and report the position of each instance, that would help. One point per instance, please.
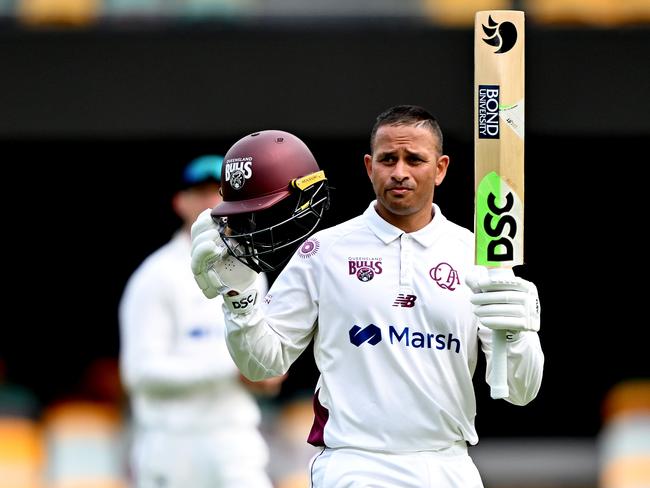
(195, 419)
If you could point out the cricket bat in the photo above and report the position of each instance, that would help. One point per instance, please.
(499, 156)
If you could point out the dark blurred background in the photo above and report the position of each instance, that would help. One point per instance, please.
(102, 103)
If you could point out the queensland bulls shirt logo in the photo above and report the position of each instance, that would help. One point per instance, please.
(365, 269)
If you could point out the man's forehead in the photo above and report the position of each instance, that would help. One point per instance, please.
(404, 131)
(411, 138)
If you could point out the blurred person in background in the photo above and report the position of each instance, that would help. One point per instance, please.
(21, 439)
(195, 418)
(395, 306)
(17, 400)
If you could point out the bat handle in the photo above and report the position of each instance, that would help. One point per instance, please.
(499, 378)
(499, 382)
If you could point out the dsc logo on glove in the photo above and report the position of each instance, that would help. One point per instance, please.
(244, 302)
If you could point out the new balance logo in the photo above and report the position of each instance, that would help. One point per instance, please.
(370, 334)
(407, 301)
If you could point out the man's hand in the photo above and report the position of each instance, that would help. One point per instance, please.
(217, 271)
(503, 301)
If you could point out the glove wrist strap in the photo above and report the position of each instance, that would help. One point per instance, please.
(241, 303)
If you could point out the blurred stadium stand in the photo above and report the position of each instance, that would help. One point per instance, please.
(454, 13)
(21, 453)
(85, 443)
(589, 12)
(441, 12)
(537, 462)
(57, 12)
(624, 440)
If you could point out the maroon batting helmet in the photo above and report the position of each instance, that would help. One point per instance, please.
(274, 195)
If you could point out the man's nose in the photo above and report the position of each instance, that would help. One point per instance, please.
(400, 172)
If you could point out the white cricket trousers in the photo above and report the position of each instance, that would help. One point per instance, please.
(355, 468)
(233, 458)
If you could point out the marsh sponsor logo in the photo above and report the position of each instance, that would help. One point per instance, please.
(405, 337)
(423, 340)
(370, 334)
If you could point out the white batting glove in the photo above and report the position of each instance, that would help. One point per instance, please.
(503, 301)
(217, 271)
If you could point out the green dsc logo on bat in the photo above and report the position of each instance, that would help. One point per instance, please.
(499, 223)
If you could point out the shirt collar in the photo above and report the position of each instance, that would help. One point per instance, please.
(388, 232)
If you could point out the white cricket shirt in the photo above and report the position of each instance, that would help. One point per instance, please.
(395, 339)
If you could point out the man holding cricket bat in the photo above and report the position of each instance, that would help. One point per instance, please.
(393, 302)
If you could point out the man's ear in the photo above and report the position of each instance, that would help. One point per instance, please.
(367, 160)
(441, 168)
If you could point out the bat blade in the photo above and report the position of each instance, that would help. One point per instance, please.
(499, 154)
